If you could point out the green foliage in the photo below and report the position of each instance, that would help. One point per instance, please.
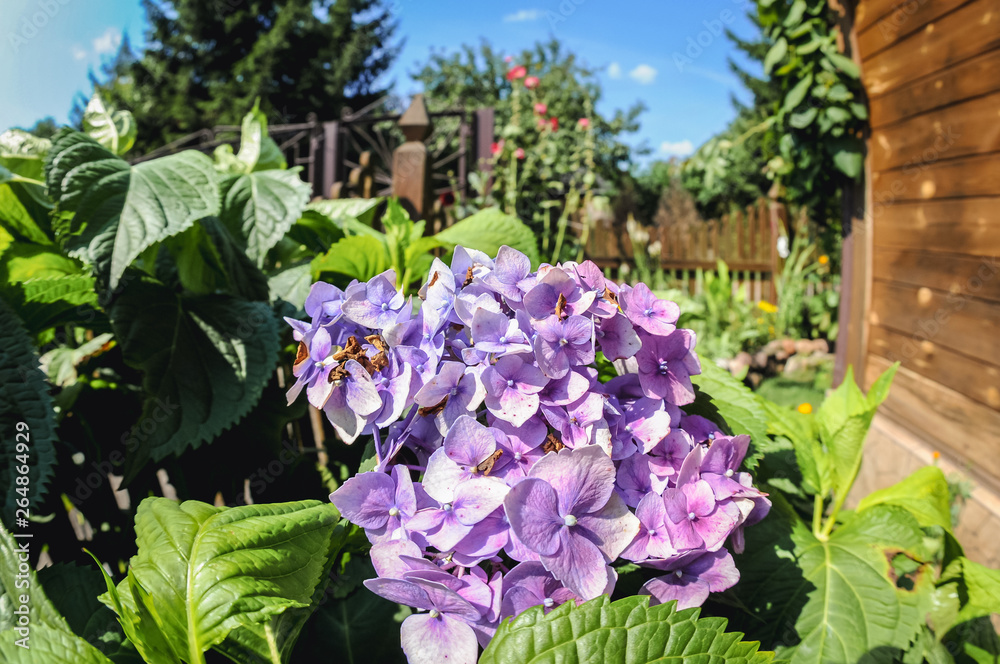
(26, 417)
(729, 399)
(803, 130)
(205, 361)
(114, 129)
(295, 56)
(403, 246)
(113, 212)
(202, 572)
(628, 630)
(48, 638)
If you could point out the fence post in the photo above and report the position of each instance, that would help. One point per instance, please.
(331, 162)
(778, 215)
(484, 145)
(410, 167)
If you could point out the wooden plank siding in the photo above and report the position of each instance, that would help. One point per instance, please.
(931, 69)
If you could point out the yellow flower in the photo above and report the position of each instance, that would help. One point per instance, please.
(824, 259)
(767, 307)
(805, 408)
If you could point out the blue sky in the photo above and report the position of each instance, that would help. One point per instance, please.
(669, 54)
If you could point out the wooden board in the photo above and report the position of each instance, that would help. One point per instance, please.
(972, 78)
(977, 276)
(944, 418)
(964, 33)
(961, 323)
(962, 226)
(947, 178)
(901, 19)
(967, 128)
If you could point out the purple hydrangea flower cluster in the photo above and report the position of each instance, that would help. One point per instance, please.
(534, 476)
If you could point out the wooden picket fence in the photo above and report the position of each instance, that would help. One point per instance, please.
(746, 240)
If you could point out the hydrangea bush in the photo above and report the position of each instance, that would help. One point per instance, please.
(507, 473)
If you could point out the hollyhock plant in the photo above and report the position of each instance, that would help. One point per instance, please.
(508, 471)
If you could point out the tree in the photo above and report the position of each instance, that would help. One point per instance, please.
(205, 63)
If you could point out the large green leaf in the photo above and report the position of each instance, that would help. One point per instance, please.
(26, 416)
(358, 257)
(49, 637)
(116, 211)
(741, 409)
(856, 607)
(628, 630)
(205, 359)
(203, 571)
(843, 420)
(359, 209)
(291, 285)
(924, 494)
(490, 229)
(24, 208)
(967, 590)
(800, 430)
(275, 639)
(258, 151)
(209, 260)
(114, 129)
(260, 207)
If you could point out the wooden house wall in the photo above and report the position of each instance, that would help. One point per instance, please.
(931, 69)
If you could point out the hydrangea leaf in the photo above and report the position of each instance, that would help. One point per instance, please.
(490, 229)
(966, 591)
(628, 630)
(50, 640)
(113, 211)
(114, 129)
(857, 606)
(206, 361)
(24, 398)
(260, 207)
(740, 409)
(358, 257)
(361, 210)
(924, 494)
(843, 420)
(212, 570)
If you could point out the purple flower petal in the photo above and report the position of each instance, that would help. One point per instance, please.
(365, 499)
(533, 511)
(583, 479)
(428, 639)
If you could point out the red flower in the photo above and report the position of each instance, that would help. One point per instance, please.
(583, 122)
(447, 198)
(496, 147)
(516, 73)
(541, 108)
(531, 82)
(555, 123)
(519, 153)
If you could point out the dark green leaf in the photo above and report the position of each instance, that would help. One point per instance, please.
(797, 94)
(205, 362)
(117, 211)
(25, 415)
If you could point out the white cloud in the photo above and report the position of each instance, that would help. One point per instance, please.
(523, 15)
(644, 74)
(614, 70)
(79, 53)
(677, 148)
(108, 42)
